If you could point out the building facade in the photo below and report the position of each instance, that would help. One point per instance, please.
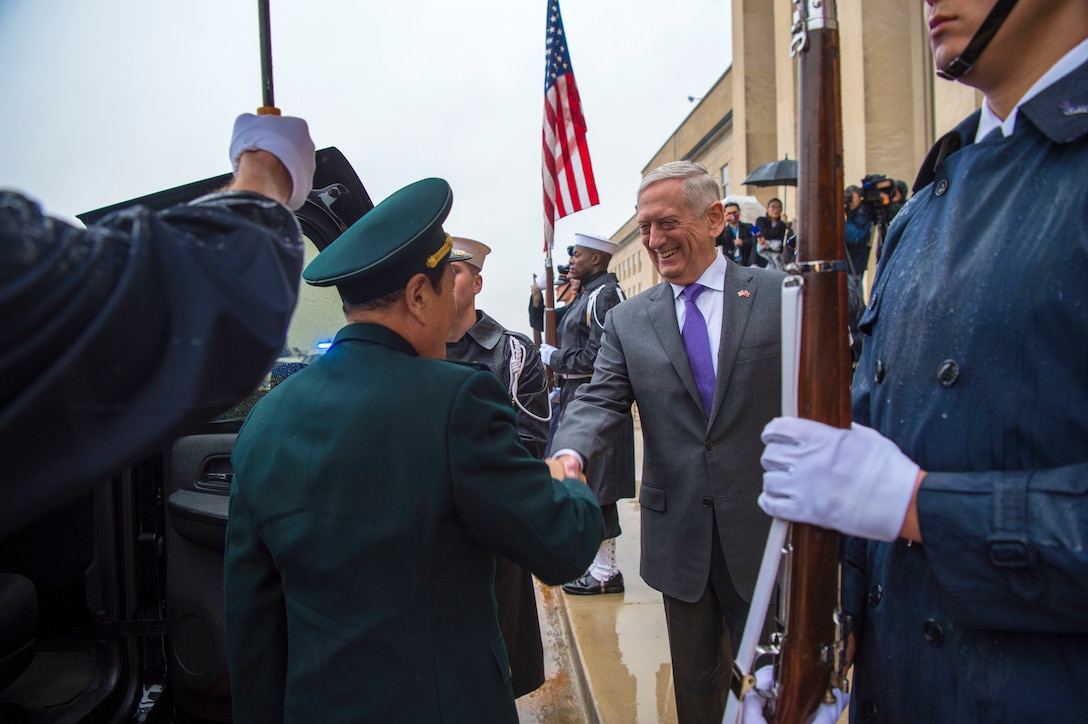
(893, 107)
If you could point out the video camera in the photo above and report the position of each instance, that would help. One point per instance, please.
(876, 193)
(563, 269)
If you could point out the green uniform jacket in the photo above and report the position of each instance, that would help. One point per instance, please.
(370, 492)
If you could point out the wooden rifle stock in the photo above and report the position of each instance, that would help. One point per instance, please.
(810, 661)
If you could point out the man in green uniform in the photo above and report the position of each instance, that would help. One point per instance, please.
(373, 489)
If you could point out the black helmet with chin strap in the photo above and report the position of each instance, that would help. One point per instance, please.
(963, 62)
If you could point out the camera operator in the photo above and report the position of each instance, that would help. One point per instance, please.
(877, 193)
(859, 221)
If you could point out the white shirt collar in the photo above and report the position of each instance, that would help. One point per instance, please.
(713, 276)
(1072, 60)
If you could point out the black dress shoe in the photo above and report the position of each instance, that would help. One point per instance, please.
(587, 585)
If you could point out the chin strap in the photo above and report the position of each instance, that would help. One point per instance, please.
(966, 60)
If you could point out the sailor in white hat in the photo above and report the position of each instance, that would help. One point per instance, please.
(612, 475)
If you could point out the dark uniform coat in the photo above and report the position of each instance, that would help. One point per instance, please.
(611, 472)
(118, 337)
(975, 363)
(371, 490)
(514, 359)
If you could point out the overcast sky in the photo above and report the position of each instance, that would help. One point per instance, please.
(105, 101)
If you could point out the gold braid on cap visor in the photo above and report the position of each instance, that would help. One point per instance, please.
(434, 259)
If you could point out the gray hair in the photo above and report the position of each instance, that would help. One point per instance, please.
(700, 189)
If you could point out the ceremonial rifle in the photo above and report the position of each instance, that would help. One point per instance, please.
(809, 658)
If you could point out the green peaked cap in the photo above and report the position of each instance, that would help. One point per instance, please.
(378, 254)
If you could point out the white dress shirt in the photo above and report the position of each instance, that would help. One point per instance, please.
(710, 304)
(1069, 62)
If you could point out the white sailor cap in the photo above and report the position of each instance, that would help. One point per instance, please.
(596, 242)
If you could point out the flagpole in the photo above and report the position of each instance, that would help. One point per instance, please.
(569, 185)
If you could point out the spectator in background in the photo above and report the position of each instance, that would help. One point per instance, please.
(774, 225)
(858, 231)
(736, 240)
(859, 234)
(899, 194)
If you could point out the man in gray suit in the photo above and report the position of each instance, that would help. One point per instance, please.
(702, 531)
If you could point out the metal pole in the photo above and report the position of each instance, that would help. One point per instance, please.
(268, 99)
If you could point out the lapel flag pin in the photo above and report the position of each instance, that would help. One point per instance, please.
(744, 293)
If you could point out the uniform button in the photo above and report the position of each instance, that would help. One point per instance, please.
(948, 372)
(934, 633)
(875, 594)
(942, 187)
(879, 375)
(868, 710)
(707, 502)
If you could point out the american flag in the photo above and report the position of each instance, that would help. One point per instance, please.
(568, 173)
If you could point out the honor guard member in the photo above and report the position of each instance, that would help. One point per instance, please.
(611, 474)
(513, 358)
(476, 337)
(372, 490)
(964, 478)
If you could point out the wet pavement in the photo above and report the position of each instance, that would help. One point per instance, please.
(606, 656)
(613, 665)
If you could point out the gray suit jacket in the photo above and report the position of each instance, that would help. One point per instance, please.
(694, 471)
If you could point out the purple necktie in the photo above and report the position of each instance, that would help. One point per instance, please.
(697, 345)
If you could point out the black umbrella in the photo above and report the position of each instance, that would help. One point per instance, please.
(774, 173)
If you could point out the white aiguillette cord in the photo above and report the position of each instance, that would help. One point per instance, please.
(776, 538)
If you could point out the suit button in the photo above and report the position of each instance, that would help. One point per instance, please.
(948, 372)
(878, 377)
(707, 502)
(709, 444)
(868, 710)
(875, 594)
(934, 633)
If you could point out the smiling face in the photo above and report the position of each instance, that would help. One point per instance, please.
(680, 241)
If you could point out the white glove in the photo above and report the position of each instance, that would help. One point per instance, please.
(855, 481)
(286, 138)
(546, 351)
(752, 712)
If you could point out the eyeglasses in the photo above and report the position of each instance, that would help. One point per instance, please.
(732, 213)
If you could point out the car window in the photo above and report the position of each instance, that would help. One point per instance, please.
(318, 316)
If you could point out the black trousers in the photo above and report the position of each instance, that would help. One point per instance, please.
(703, 639)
